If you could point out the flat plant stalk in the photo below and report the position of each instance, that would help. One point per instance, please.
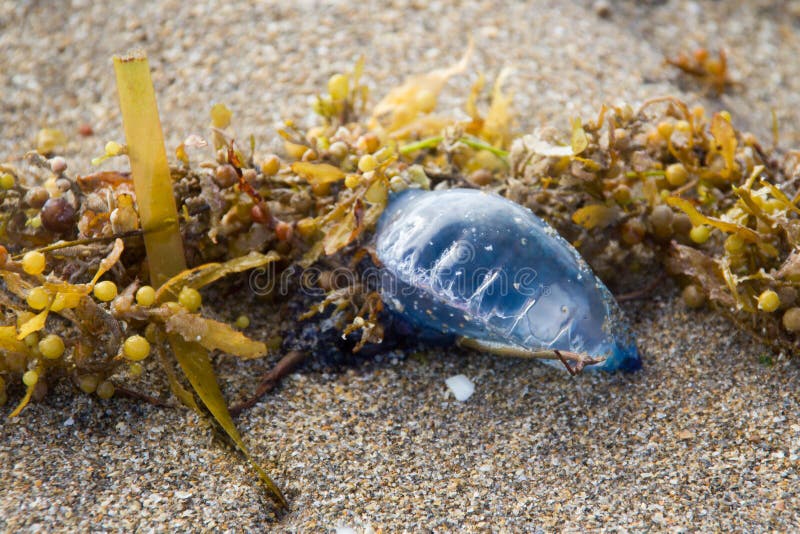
(149, 167)
(159, 220)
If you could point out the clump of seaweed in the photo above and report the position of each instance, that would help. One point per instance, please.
(675, 187)
(100, 271)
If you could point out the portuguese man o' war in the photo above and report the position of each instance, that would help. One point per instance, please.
(478, 267)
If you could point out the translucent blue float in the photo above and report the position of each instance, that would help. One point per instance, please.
(477, 267)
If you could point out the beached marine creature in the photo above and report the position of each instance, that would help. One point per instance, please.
(482, 269)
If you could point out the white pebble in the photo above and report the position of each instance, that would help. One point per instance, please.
(461, 387)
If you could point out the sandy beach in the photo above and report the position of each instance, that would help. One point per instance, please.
(705, 437)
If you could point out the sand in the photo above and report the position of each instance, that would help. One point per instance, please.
(705, 437)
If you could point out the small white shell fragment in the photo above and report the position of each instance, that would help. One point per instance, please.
(461, 387)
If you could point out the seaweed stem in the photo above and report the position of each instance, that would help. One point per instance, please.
(138, 395)
(151, 175)
(285, 365)
(429, 142)
(646, 291)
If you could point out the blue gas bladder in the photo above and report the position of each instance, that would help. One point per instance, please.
(476, 266)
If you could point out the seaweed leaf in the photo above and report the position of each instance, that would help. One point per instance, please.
(196, 364)
(595, 216)
(578, 140)
(418, 94)
(214, 335)
(34, 324)
(109, 261)
(317, 173)
(203, 275)
(341, 234)
(733, 285)
(24, 402)
(725, 143)
(496, 128)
